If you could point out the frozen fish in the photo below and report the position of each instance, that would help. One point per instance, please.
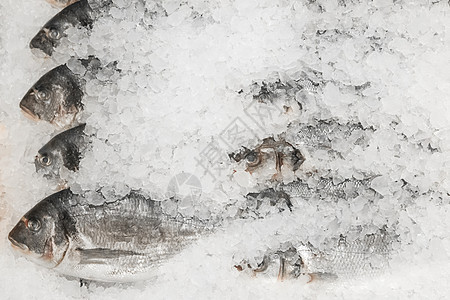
(63, 150)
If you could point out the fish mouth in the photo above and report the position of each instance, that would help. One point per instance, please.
(28, 113)
(16, 244)
(38, 52)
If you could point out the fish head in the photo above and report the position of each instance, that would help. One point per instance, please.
(269, 157)
(55, 97)
(49, 160)
(50, 35)
(40, 235)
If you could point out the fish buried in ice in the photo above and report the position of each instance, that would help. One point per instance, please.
(329, 135)
(269, 154)
(61, 3)
(363, 257)
(50, 35)
(55, 97)
(63, 150)
(121, 240)
(282, 197)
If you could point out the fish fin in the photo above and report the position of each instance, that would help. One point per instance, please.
(102, 255)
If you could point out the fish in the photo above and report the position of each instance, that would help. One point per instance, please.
(63, 150)
(56, 97)
(269, 153)
(49, 36)
(342, 258)
(323, 134)
(329, 188)
(119, 240)
(61, 3)
(282, 197)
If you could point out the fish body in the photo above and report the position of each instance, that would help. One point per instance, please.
(328, 188)
(366, 256)
(56, 97)
(120, 240)
(50, 35)
(61, 3)
(329, 135)
(63, 150)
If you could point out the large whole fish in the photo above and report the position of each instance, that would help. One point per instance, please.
(63, 150)
(76, 14)
(363, 257)
(119, 240)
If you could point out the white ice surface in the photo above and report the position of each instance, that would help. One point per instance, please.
(178, 91)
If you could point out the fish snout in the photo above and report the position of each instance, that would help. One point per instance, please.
(42, 42)
(15, 243)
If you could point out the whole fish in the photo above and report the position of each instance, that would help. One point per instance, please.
(120, 240)
(49, 37)
(63, 150)
(55, 97)
(363, 257)
(281, 197)
(61, 3)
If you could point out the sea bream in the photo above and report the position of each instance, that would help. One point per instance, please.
(346, 259)
(269, 157)
(120, 240)
(63, 150)
(48, 38)
(61, 3)
(55, 97)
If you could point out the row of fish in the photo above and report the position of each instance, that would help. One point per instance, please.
(124, 238)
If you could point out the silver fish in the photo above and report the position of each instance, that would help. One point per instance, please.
(63, 150)
(324, 133)
(120, 240)
(50, 35)
(55, 97)
(345, 189)
(363, 257)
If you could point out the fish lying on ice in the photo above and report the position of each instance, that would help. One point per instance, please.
(63, 150)
(366, 256)
(49, 37)
(61, 3)
(119, 240)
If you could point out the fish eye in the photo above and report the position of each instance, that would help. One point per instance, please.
(45, 160)
(54, 34)
(42, 95)
(253, 158)
(34, 224)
